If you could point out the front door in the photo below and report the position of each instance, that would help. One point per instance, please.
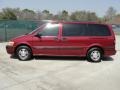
(49, 40)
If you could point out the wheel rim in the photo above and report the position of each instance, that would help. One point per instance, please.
(95, 55)
(23, 54)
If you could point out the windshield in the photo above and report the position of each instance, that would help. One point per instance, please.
(37, 29)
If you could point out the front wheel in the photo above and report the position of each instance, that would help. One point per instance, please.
(94, 55)
(24, 53)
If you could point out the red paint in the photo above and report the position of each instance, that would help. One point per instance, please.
(64, 46)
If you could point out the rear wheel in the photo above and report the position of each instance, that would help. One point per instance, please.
(95, 55)
(24, 53)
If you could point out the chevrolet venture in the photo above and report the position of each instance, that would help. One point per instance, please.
(84, 39)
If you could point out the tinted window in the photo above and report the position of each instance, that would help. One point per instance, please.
(97, 30)
(74, 29)
(50, 30)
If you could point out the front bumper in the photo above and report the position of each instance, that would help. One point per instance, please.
(10, 49)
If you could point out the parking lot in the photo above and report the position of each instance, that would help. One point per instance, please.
(59, 73)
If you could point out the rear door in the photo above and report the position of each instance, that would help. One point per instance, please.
(73, 40)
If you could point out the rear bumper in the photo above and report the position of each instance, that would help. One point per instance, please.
(10, 49)
(110, 52)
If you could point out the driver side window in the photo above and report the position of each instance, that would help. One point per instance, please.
(50, 30)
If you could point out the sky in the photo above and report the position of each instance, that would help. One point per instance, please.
(55, 6)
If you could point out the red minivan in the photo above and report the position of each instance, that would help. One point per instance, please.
(84, 39)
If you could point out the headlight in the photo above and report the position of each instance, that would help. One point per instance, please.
(10, 43)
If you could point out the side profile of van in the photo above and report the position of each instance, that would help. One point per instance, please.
(84, 39)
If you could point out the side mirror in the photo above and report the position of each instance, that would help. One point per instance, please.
(38, 35)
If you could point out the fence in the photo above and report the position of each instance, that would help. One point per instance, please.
(12, 28)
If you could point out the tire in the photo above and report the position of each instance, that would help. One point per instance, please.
(23, 53)
(95, 55)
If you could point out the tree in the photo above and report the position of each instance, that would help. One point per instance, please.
(63, 15)
(76, 16)
(38, 15)
(17, 12)
(91, 16)
(83, 16)
(0, 15)
(45, 12)
(115, 20)
(46, 15)
(28, 14)
(7, 13)
(110, 13)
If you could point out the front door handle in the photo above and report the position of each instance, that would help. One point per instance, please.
(56, 38)
(64, 39)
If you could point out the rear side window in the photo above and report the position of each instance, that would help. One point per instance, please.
(97, 30)
(85, 30)
(74, 29)
(50, 30)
